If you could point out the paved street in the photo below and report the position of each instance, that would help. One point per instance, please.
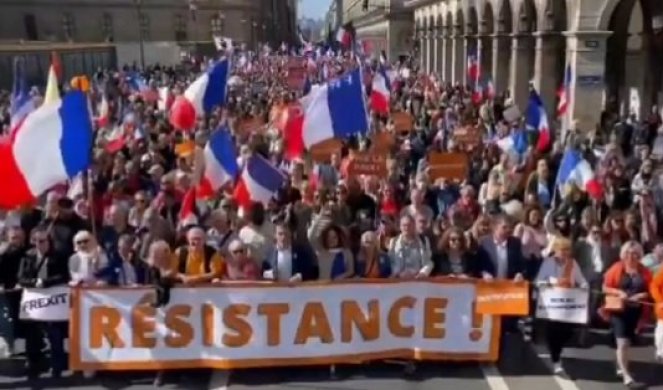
(522, 368)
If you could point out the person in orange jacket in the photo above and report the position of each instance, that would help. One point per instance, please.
(656, 291)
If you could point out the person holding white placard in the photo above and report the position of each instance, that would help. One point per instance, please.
(559, 270)
(42, 267)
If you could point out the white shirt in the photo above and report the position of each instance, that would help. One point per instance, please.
(502, 260)
(283, 265)
(597, 258)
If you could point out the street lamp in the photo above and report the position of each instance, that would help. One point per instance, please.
(141, 40)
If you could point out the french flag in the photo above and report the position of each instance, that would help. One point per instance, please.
(103, 110)
(188, 215)
(259, 182)
(209, 90)
(335, 110)
(52, 146)
(477, 93)
(574, 169)
(537, 120)
(21, 103)
(380, 91)
(346, 35)
(220, 163)
(489, 90)
(563, 93)
(473, 68)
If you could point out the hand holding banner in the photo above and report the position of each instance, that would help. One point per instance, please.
(45, 304)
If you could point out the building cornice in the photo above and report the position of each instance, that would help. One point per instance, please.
(145, 4)
(411, 4)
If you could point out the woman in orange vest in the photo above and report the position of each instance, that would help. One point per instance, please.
(656, 291)
(626, 285)
(560, 270)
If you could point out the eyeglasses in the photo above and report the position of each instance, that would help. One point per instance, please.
(454, 239)
(41, 241)
(140, 200)
(237, 251)
(82, 241)
(597, 232)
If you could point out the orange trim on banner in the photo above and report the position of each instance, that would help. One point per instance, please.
(502, 298)
(77, 364)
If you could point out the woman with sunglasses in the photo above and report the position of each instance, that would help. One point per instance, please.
(453, 257)
(240, 266)
(88, 261)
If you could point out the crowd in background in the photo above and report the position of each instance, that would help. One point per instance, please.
(509, 218)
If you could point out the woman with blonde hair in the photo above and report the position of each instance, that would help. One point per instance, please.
(561, 270)
(626, 285)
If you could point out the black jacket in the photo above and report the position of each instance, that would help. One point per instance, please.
(10, 260)
(474, 264)
(57, 269)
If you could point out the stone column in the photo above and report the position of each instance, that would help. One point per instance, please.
(448, 54)
(501, 61)
(522, 68)
(422, 49)
(457, 61)
(441, 51)
(585, 51)
(485, 44)
(435, 38)
(547, 77)
(429, 51)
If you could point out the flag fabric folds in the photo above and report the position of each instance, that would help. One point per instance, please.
(220, 163)
(52, 146)
(381, 91)
(259, 182)
(209, 90)
(537, 120)
(335, 110)
(574, 169)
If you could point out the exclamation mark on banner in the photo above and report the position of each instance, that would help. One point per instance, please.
(477, 324)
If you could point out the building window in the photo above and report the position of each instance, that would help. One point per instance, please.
(107, 26)
(144, 21)
(180, 27)
(68, 26)
(217, 25)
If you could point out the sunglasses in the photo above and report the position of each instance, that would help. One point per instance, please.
(82, 242)
(140, 200)
(237, 251)
(41, 241)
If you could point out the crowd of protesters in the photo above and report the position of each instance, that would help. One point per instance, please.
(508, 219)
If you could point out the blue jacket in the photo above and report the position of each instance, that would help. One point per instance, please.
(302, 263)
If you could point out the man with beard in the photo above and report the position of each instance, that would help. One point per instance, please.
(10, 261)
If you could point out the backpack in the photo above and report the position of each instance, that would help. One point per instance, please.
(184, 254)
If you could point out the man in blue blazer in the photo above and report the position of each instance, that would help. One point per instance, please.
(288, 262)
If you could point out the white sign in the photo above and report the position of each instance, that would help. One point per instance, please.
(563, 304)
(260, 325)
(45, 304)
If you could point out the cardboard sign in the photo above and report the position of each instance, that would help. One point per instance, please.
(468, 137)
(322, 151)
(570, 305)
(502, 298)
(403, 122)
(452, 166)
(250, 125)
(372, 164)
(382, 142)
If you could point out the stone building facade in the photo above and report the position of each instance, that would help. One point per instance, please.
(614, 49)
(152, 20)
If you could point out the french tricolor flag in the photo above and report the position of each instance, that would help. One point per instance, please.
(220, 163)
(335, 110)
(473, 68)
(574, 169)
(537, 120)
(259, 182)
(380, 91)
(345, 35)
(563, 93)
(209, 90)
(51, 146)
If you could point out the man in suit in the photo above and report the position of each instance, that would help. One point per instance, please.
(505, 252)
(288, 262)
(43, 267)
(506, 261)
